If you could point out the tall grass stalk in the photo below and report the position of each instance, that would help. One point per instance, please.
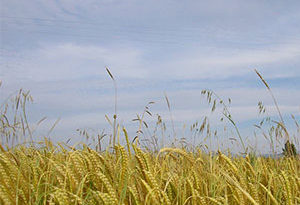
(115, 111)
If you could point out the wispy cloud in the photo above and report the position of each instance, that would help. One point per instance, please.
(224, 63)
(74, 61)
(59, 50)
(71, 61)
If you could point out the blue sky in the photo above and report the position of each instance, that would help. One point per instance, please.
(59, 50)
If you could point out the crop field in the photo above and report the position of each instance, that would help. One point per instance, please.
(149, 102)
(44, 172)
(55, 175)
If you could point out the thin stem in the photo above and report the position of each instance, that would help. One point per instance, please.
(115, 115)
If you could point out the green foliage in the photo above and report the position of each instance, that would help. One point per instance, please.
(289, 149)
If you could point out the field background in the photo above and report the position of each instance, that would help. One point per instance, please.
(149, 102)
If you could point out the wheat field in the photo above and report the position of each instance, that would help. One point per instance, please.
(44, 172)
(57, 175)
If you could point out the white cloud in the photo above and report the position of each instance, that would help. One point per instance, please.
(217, 41)
(74, 61)
(71, 61)
(224, 63)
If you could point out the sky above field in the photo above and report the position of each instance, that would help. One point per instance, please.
(59, 50)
